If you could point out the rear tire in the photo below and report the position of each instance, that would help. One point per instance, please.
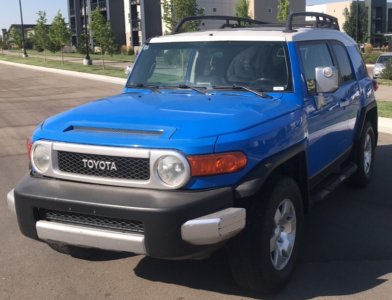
(364, 155)
(252, 253)
(74, 251)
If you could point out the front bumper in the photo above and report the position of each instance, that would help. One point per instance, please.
(177, 224)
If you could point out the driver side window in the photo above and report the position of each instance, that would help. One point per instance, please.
(313, 56)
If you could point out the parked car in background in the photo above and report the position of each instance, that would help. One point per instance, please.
(380, 64)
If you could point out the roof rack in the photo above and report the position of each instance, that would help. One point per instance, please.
(327, 22)
(224, 18)
(323, 21)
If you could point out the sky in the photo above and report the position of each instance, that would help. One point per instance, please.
(10, 14)
(9, 10)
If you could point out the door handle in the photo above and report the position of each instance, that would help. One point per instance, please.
(344, 103)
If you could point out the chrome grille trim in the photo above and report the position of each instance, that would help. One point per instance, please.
(125, 131)
(154, 182)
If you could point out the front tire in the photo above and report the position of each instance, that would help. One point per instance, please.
(74, 251)
(263, 256)
(364, 155)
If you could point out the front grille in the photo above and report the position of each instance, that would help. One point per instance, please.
(104, 166)
(92, 221)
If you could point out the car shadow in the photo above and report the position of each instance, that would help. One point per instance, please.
(347, 247)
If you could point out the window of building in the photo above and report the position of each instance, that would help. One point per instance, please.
(270, 10)
(214, 10)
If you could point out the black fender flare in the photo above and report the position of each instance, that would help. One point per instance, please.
(252, 182)
(362, 118)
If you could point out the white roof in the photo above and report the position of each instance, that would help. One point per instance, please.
(256, 34)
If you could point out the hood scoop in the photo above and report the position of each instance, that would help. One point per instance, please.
(113, 130)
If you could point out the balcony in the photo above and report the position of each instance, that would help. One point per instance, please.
(136, 25)
(135, 2)
(100, 4)
(72, 12)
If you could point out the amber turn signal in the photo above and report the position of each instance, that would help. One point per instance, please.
(29, 144)
(214, 164)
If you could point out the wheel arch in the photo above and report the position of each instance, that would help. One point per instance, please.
(368, 113)
(291, 162)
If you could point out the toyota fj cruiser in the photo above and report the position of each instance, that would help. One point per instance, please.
(220, 138)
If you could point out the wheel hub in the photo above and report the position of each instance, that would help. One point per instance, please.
(283, 234)
(367, 153)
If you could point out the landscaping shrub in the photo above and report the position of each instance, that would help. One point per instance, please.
(371, 58)
(368, 48)
(387, 72)
(127, 50)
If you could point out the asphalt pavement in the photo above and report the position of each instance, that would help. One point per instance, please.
(346, 254)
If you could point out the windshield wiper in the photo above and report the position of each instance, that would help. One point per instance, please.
(258, 92)
(152, 88)
(199, 89)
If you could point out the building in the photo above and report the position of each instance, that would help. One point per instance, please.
(143, 18)
(113, 10)
(379, 17)
(28, 31)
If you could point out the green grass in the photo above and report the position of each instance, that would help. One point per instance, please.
(384, 82)
(77, 67)
(116, 57)
(384, 109)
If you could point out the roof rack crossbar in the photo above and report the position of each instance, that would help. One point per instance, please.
(224, 18)
(327, 21)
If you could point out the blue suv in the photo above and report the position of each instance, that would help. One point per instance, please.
(221, 138)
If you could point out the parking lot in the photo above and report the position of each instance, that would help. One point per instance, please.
(347, 252)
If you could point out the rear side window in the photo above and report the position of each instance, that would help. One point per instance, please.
(313, 56)
(346, 72)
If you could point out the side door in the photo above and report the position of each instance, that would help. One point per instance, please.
(328, 138)
(349, 81)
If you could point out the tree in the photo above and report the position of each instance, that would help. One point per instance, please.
(41, 34)
(16, 38)
(175, 10)
(102, 34)
(59, 33)
(81, 47)
(350, 26)
(283, 10)
(242, 9)
(2, 43)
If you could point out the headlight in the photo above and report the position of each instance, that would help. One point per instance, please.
(171, 170)
(41, 158)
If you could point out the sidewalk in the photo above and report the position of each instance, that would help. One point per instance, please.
(118, 64)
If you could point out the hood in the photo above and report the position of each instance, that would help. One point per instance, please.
(151, 118)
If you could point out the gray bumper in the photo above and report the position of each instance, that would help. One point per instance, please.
(11, 201)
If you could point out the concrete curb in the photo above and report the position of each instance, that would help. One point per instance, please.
(370, 66)
(103, 78)
(385, 125)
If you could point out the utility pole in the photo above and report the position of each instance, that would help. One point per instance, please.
(23, 35)
(357, 24)
(87, 60)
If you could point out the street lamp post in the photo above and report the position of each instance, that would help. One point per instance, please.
(23, 35)
(87, 60)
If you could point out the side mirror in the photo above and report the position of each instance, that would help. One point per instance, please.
(128, 70)
(327, 81)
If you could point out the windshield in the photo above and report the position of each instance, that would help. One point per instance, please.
(383, 59)
(262, 65)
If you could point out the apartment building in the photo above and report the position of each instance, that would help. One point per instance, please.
(143, 18)
(379, 17)
(113, 10)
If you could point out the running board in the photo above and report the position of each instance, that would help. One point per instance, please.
(333, 183)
